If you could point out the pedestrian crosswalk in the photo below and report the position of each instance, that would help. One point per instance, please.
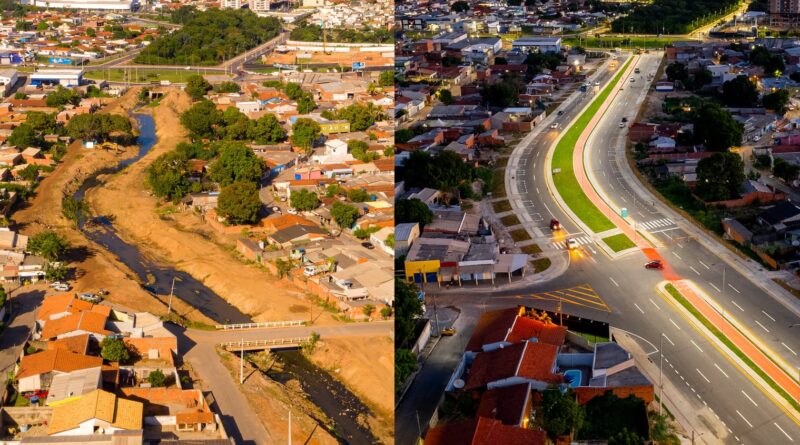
(562, 244)
(658, 224)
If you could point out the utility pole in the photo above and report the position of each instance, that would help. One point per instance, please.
(660, 377)
(171, 291)
(241, 361)
(290, 427)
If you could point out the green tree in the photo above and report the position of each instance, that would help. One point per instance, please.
(446, 97)
(740, 92)
(157, 379)
(201, 119)
(294, 91)
(239, 203)
(785, 170)
(228, 87)
(360, 150)
(720, 176)
(197, 86)
(777, 101)
(304, 133)
(368, 309)
(408, 308)
(97, 126)
(114, 350)
(389, 240)
(443, 171)
(413, 210)
(386, 79)
(501, 94)
(49, 245)
(304, 200)
(24, 135)
(62, 96)
(168, 177)
(72, 208)
(30, 173)
(358, 195)
(560, 412)
(55, 272)
(677, 71)
(405, 363)
(459, 6)
(386, 312)
(267, 130)
(625, 437)
(91, 32)
(344, 215)
(306, 104)
(360, 116)
(235, 125)
(715, 128)
(236, 163)
(42, 122)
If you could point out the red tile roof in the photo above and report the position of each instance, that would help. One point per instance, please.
(492, 328)
(55, 360)
(528, 360)
(526, 328)
(483, 431)
(507, 404)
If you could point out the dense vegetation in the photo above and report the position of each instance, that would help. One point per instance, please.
(445, 171)
(672, 16)
(306, 32)
(408, 308)
(210, 37)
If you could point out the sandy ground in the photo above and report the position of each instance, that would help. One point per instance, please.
(94, 267)
(272, 402)
(181, 239)
(368, 371)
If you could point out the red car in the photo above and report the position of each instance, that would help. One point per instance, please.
(655, 264)
(554, 224)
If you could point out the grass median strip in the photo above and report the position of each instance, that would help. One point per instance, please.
(619, 242)
(729, 344)
(565, 181)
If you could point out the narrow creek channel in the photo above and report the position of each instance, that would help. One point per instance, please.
(333, 398)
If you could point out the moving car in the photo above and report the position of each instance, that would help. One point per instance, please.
(655, 264)
(636, 70)
(622, 125)
(554, 125)
(554, 224)
(633, 80)
(447, 332)
(624, 119)
(572, 244)
(368, 245)
(560, 112)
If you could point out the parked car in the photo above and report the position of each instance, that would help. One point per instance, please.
(447, 332)
(367, 245)
(310, 271)
(56, 284)
(276, 209)
(554, 126)
(291, 211)
(62, 287)
(90, 297)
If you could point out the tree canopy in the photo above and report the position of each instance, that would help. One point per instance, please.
(720, 176)
(304, 200)
(671, 16)
(167, 176)
(560, 412)
(360, 116)
(304, 132)
(236, 163)
(344, 214)
(412, 210)
(98, 126)
(114, 350)
(209, 37)
(308, 32)
(239, 203)
(442, 171)
(777, 100)
(740, 92)
(62, 96)
(715, 128)
(49, 245)
(197, 86)
(201, 119)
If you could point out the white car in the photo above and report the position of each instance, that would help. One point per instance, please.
(572, 244)
(633, 80)
(291, 211)
(622, 125)
(310, 271)
(62, 287)
(554, 126)
(56, 284)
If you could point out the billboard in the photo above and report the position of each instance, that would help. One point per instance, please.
(358, 66)
(61, 60)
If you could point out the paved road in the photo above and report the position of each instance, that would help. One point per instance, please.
(22, 304)
(726, 407)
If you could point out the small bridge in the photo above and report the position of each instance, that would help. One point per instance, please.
(265, 345)
(266, 324)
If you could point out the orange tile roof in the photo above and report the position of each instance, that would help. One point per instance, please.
(166, 346)
(84, 321)
(526, 328)
(188, 405)
(55, 360)
(483, 431)
(492, 327)
(528, 360)
(77, 343)
(283, 221)
(67, 303)
(102, 405)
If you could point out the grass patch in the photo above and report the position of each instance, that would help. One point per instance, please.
(520, 235)
(510, 220)
(566, 183)
(592, 338)
(178, 75)
(541, 264)
(729, 344)
(531, 249)
(501, 206)
(498, 183)
(619, 242)
(612, 42)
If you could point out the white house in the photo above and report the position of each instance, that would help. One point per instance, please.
(8, 78)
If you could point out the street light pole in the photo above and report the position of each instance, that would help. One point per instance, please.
(171, 291)
(660, 375)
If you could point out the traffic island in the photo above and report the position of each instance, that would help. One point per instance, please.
(764, 373)
(619, 242)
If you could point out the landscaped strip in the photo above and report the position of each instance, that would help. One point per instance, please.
(619, 242)
(729, 344)
(565, 181)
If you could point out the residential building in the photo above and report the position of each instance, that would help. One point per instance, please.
(98, 412)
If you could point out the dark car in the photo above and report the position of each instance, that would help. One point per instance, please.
(368, 245)
(560, 112)
(554, 224)
(655, 264)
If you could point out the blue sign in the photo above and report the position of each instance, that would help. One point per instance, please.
(61, 60)
(358, 66)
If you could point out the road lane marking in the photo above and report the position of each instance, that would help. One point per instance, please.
(762, 326)
(784, 432)
(731, 286)
(704, 264)
(612, 280)
(675, 324)
(703, 375)
(694, 270)
(720, 370)
(744, 418)
(637, 307)
(537, 191)
(676, 255)
(670, 341)
(749, 398)
(715, 287)
(654, 304)
(787, 347)
(768, 315)
(735, 304)
(696, 346)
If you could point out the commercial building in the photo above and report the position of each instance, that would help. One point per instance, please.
(101, 5)
(538, 44)
(8, 78)
(67, 78)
